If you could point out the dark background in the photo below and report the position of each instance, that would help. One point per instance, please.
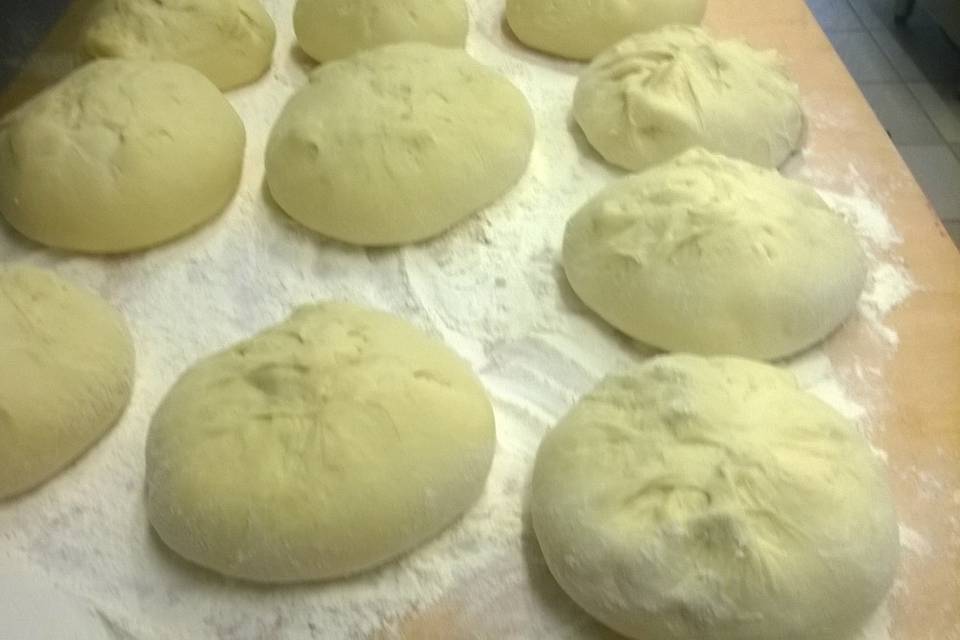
(23, 24)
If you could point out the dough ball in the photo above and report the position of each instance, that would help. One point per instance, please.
(323, 446)
(715, 256)
(66, 371)
(229, 41)
(711, 499)
(397, 144)
(580, 30)
(328, 29)
(656, 94)
(118, 156)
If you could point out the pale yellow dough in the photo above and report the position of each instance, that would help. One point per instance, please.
(580, 30)
(712, 255)
(66, 371)
(229, 41)
(653, 95)
(120, 155)
(712, 499)
(323, 446)
(329, 29)
(397, 144)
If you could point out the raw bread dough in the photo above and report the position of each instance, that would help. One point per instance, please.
(329, 29)
(66, 371)
(715, 256)
(120, 155)
(711, 499)
(655, 94)
(229, 41)
(323, 446)
(580, 30)
(397, 144)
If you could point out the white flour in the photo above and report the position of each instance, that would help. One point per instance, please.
(491, 288)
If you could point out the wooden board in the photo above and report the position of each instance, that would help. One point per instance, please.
(918, 396)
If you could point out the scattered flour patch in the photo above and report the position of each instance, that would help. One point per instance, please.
(816, 374)
(913, 542)
(878, 625)
(889, 283)
(866, 216)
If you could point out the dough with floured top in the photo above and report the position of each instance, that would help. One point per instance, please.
(66, 372)
(397, 144)
(330, 29)
(120, 155)
(711, 499)
(229, 41)
(328, 444)
(580, 30)
(712, 255)
(654, 95)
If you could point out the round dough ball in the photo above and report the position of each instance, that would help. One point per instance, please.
(580, 30)
(329, 29)
(715, 256)
(712, 499)
(120, 155)
(66, 372)
(229, 41)
(323, 446)
(397, 144)
(656, 94)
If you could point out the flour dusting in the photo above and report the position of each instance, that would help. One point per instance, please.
(888, 282)
(878, 625)
(912, 541)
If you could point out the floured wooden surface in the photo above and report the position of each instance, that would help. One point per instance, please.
(492, 288)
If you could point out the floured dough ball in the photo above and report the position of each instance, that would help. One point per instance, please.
(655, 94)
(329, 29)
(715, 256)
(323, 446)
(397, 144)
(66, 371)
(580, 30)
(229, 41)
(712, 499)
(120, 155)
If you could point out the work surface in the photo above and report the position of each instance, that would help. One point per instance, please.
(503, 304)
(918, 406)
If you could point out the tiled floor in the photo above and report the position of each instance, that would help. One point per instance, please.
(911, 77)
